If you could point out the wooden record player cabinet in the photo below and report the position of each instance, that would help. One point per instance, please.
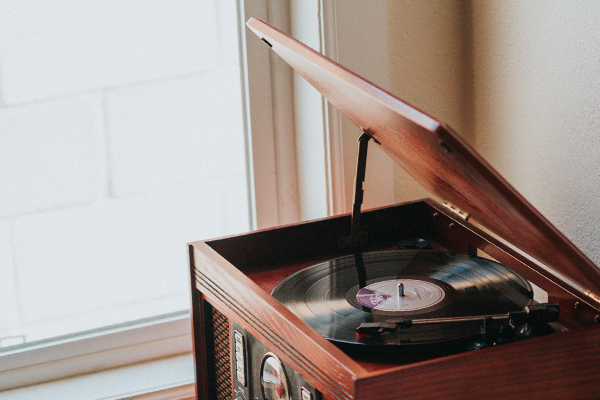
(231, 277)
(234, 275)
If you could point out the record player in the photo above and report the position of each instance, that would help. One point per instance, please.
(419, 300)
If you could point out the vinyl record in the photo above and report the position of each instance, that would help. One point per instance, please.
(336, 296)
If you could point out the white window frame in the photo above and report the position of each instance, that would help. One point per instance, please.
(272, 172)
(289, 149)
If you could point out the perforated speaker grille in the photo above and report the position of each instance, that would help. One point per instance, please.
(222, 363)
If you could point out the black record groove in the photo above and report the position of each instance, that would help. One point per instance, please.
(336, 296)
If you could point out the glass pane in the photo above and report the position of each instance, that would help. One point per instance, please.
(121, 139)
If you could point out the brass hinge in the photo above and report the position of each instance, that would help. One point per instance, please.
(592, 296)
(456, 211)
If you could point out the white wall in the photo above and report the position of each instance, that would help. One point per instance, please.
(521, 81)
(537, 106)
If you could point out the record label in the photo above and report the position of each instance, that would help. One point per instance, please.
(400, 295)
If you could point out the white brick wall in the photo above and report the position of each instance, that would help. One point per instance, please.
(8, 298)
(114, 253)
(121, 139)
(49, 154)
(160, 133)
(56, 48)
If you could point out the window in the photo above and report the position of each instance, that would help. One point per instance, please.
(125, 134)
(122, 139)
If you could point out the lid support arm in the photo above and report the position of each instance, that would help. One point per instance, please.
(357, 236)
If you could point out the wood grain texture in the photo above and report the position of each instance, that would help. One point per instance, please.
(438, 158)
(201, 389)
(560, 366)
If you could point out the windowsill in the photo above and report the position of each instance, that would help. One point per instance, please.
(104, 350)
(169, 378)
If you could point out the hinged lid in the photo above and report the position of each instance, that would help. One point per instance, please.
(441, 161)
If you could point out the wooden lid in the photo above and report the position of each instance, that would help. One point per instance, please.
(441, 161)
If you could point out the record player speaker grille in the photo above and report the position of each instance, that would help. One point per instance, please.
(219, 342)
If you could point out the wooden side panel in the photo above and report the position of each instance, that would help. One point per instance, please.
(198, 335)
(316, 240)
(560, 366)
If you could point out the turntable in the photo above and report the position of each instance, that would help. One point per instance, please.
(397, 302)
